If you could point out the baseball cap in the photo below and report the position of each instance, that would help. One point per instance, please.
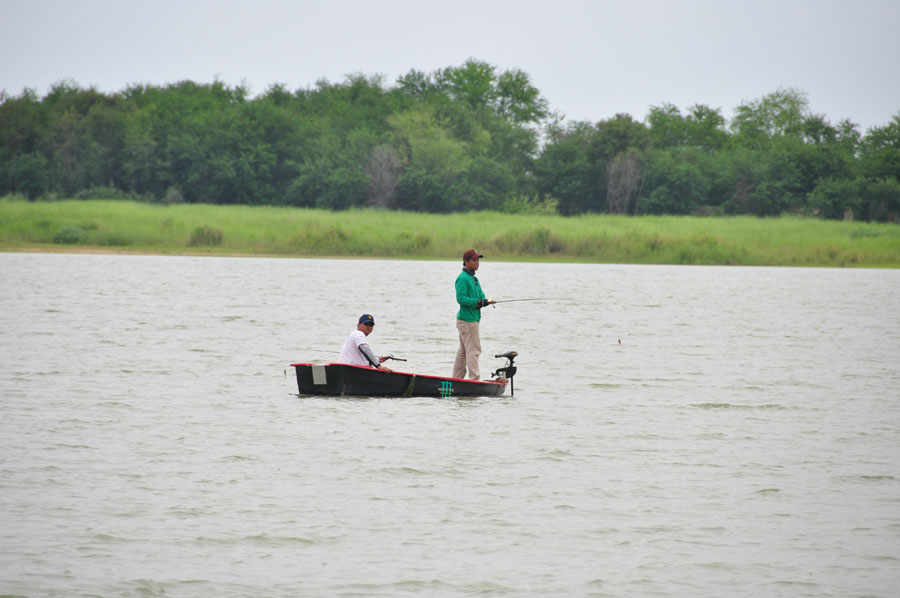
(471, 254)
(367, 319)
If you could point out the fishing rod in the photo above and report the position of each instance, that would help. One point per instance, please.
(540, 299)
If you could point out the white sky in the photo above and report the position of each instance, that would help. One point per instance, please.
(590, 60)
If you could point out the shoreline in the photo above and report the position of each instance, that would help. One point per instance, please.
(70, 250)
(115, 227)
(137, 252)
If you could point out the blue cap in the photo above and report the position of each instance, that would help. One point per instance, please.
(367, 319)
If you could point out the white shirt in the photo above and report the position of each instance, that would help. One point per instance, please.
(350, 352)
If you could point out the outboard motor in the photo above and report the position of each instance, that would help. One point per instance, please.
(509, 371)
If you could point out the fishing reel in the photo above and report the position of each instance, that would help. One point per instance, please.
(509, 371)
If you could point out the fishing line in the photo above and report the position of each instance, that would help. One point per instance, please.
(391, 356)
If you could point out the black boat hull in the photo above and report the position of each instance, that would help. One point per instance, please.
(339, 379)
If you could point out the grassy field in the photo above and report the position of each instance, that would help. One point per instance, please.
(122, 226)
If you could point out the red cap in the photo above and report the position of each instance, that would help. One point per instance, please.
(471, 254)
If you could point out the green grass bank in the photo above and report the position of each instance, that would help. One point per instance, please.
(188, 229)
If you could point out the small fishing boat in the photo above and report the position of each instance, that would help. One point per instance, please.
(341, 379)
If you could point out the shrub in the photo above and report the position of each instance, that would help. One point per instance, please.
(70, 235)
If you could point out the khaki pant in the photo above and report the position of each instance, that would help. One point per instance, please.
(469, 350)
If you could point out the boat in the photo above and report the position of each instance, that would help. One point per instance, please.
(342, 379)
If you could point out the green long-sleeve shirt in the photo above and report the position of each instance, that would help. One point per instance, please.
(468, 292)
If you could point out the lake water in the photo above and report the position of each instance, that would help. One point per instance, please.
(743, 438)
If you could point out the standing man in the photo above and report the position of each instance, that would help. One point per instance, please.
(471, 299)
(356, 350)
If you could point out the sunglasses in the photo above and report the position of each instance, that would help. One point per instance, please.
(372, 324)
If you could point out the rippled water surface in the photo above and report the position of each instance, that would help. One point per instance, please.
(743, 438)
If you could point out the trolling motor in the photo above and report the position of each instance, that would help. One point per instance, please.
(509, 371)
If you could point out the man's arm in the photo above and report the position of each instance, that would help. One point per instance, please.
(373, 360)
(369, 355)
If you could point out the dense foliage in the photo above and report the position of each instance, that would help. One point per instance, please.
(462, 138)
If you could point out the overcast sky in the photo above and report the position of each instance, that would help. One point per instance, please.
(590, 60)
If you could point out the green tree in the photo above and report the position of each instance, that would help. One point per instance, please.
(667, 127)
(706, 128)
(139, 156)
(777, 114)
(762, 182)
(472, 84)
(29, 174)
(421, 191)
(486, 185)
(24, 166)
(675, 183)
(575, 165)
(462, 175)
(565, 171)
(880, 151)
(478, 85)
(795, 149)
(881, 200)
(424, 144)
(495, 114)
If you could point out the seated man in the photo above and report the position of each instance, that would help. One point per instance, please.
(356, 350)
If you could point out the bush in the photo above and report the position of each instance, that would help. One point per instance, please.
(70, 235)
(205, 236)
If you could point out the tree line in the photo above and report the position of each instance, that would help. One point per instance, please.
(468, 137)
